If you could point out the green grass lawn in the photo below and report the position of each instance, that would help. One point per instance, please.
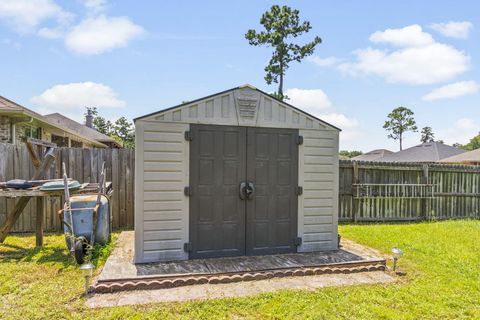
(442, 261)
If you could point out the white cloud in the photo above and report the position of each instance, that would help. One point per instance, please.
(26, 15)
(454, 90)
(71, 98)
(419, 60)
(95, 6)
(310, 100)
(95, 34)
(453, 29)
(462, 131)
(410, 36)
(101, 34)
(350, 126)
(51, 33)
(324, 62)
(317, 103)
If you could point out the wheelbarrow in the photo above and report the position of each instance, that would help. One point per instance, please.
(86, 219)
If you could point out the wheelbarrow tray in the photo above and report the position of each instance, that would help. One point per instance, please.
(82, 215)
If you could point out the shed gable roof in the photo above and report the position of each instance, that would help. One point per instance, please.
(244, 105)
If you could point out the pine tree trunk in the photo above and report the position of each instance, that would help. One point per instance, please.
(400, 142)
(280, 83)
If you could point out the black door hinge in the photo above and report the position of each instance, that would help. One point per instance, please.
(299, 140)
(297, 241)
(188, 191)
(188, 136)
(299, 191)
(187, 247)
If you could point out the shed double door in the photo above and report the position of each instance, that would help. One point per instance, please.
(243, 183)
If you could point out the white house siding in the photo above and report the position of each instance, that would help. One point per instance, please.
(161, 228)
(318, 205)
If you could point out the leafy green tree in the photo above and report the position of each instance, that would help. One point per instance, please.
(125, 131)
(281, 23)
(400, 120)
(121, 130)
(473, 144)
(457, 145)
(427, 135)
(350, 154)
(100, 124)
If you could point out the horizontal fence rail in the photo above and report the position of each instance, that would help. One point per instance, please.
(380, 191)
(83, 165)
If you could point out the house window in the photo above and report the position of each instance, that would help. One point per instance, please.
(60, 141)
(76, 144)
(31, 132)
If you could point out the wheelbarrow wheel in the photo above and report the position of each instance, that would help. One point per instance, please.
(79, 251)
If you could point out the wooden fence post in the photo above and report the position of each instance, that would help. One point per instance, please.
(356, 200)
(425, 201)
(39, 222)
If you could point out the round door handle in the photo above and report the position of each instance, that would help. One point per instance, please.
(242, 190)
(250, 189)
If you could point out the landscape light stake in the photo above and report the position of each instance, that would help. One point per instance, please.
(397, 253)
(87, 272)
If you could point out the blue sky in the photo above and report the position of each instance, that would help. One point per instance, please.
(134, 57)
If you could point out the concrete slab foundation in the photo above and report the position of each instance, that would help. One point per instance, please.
(120, 273)
(231, 290)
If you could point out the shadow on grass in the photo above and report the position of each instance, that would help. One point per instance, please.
(48, 255)
(37, 254)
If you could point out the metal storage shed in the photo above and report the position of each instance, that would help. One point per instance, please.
(234, 173)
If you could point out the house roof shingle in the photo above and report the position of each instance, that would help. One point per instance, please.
(372, 155)
(470, 157)
(425, 152)
(80, 128)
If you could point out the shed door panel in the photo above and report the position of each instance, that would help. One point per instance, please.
(217, 214)
(272, 165)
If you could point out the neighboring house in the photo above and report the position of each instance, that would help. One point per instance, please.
(235, 173)
(18, 123)
(425, 152)
(373, 155)
(86, 129)
(469, 157)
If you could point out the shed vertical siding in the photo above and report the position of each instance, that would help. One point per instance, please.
(162, 166)
(318, 205)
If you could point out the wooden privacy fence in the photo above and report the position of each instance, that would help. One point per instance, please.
(83, 165)
(379, 191)
(369, 191)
